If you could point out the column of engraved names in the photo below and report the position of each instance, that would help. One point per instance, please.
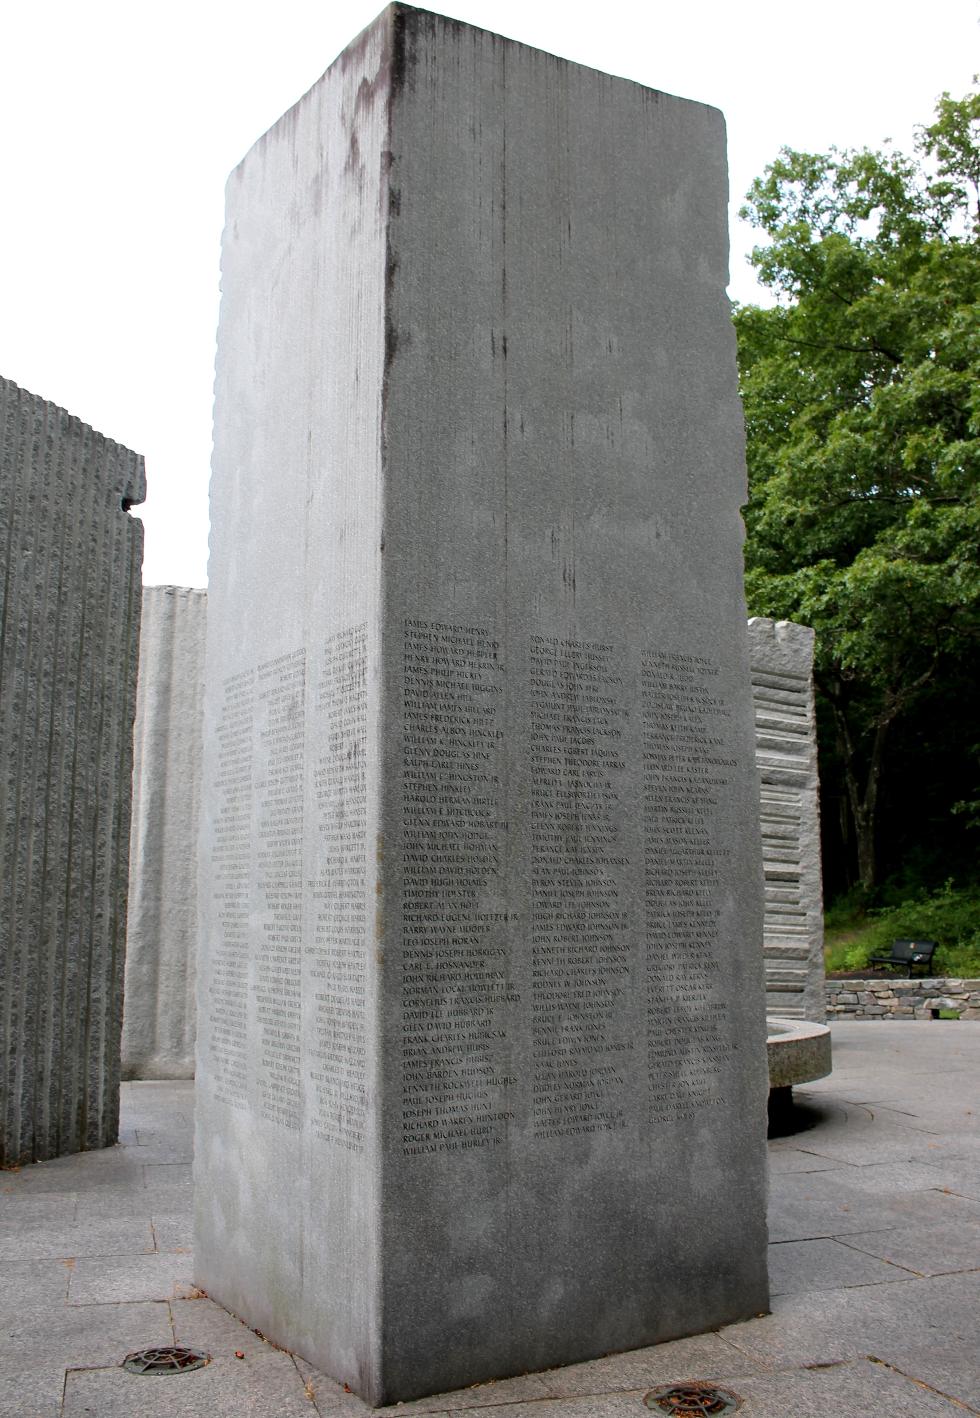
(456, 988)
(277, 968)
(231, 874)
(687, 774)
(580, 956)
(337, 953)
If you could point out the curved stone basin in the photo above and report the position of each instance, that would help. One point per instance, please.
(798, 1051)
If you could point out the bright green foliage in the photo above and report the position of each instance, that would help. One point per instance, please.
(862, 401)
(949, 917)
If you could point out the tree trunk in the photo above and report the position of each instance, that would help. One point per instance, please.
(862, 784)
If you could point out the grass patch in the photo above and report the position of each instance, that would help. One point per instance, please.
(950, 917)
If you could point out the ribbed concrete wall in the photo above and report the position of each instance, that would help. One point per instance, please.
(69, 630)
(159, 1019)
(781, 657)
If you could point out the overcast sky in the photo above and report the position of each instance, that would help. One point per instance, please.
(119, 123)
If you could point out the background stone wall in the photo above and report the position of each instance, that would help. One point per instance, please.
(69, 633)
(899, 998)
(159, 1022)
(781, 658)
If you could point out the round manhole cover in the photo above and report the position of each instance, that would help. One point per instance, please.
(692, 1400)
(170, 1359)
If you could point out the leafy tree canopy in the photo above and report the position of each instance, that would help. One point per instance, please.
(862, 404)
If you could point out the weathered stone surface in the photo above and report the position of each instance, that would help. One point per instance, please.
(799, 1051)
(781, 657)
(69, 628)
(482, 1074)
(161, 949)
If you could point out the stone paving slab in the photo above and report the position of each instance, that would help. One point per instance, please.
(795, 1159)
(33, 1390)
(84, 1334)
(122, 1279)
(86, 1238)
(951, 1370)
(942, 1249)
(862, 1388)
(168, 1175)
(807, 1214)
(32, 1285)
(20, 1208)
(830, 1326)
(266, 1387)
(797, 1267)
(331, 1399)
(82, 1172)
(173, 1232)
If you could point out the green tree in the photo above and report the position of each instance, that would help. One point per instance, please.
(862, 405)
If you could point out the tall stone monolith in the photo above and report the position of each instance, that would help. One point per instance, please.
(161, 950)
(482, 1075)
(781, 657)
(69, 631)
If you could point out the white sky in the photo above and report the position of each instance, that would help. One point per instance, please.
(120, 121)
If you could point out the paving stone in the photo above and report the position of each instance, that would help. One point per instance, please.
(850, 1390)
(811, 1209)
(109, 1167)
(173, 1136)
(828, 1326)
(963, 1178)
(84, 1334)
(268, 1386)
(174, 1233)
(85, 1238)
(594, 1406)
(887, 1178)
(701, 1356)
(331, 1398)
(853, 1143)
(31, 1390)
(203, 1324)
(128, 1278)
(114, 1203)
(797, 1267)
(795, 1159)
(958, 1147)
(952, 1370)
(927, 1250)
(20, 1207)
(167, 1174)
(37, 1285)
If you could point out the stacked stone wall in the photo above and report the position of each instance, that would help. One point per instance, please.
(901, 998)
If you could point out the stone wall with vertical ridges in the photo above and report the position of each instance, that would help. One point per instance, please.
(69, 631)
(781, 658)
(159, 1020)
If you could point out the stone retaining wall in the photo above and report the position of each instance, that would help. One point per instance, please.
(898, 998)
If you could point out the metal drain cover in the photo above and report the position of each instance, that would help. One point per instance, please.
(169, 1359)
(693, 1399)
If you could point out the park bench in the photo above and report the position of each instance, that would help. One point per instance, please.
(908, 953)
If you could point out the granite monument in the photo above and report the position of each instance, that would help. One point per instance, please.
(161, 949)
(481, 1045)
(69, 629)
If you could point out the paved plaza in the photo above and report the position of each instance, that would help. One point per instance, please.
(874, 1261)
